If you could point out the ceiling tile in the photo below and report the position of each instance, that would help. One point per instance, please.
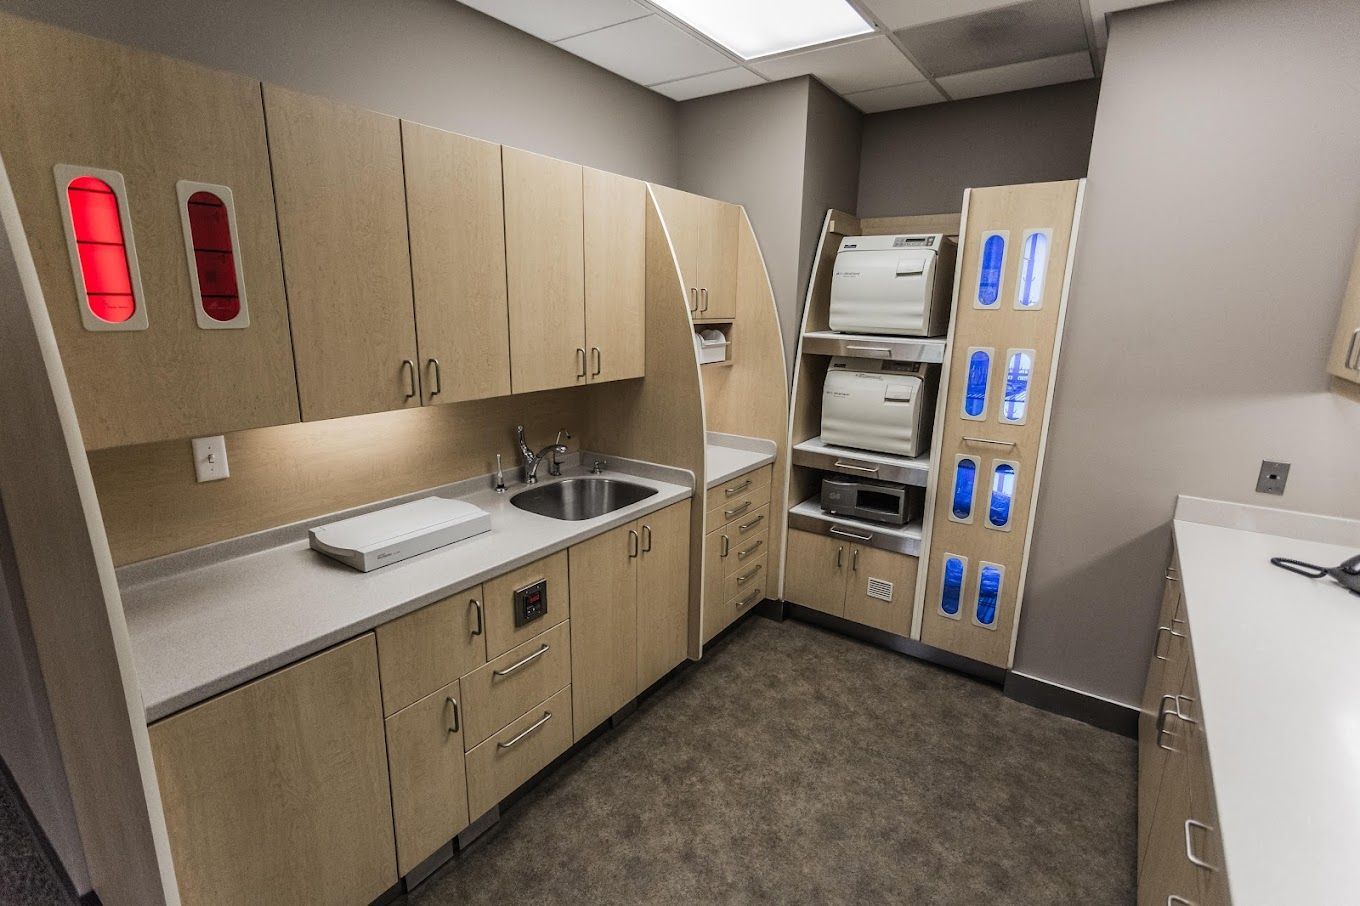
(647, 51)
(904, 13)
(709, 83)
(895, 97)
(1102, 8)
(1033, 30)
(1017, 76)
(560, 18)
(856, 66)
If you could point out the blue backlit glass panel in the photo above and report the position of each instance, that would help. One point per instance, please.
(989, 278)
(1033, 270)
(989, 592)
(1003, 491)
(1015, 400)
(965, 478)
(951, 593)
(975, 388)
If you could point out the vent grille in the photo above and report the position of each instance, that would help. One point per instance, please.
(881, 590)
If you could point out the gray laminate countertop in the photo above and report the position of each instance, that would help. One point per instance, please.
(730, 455)
(204, 621)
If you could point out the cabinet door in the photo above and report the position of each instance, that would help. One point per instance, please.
(429, 785)
(545, 271)
(815, 572)
(663, 593)
(615, 261)
(881, 589)
(1344, 361)
(1165, 872)
(430, 648)
(457, 217)
(717, 254)
(604, 665)
(277, 792)
(680, 213)
(346, 258)
(1164, 678)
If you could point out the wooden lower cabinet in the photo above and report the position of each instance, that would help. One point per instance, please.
(501, 632)
(880, 590)
(501, 764)
(431, 648)
(496, 693)
(663, 593)
(429, 786)
(814, 575)
(277, 792)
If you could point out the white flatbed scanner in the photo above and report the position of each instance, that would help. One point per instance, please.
(398, 532)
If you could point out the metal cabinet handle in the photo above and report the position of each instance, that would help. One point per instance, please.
(646, 539)
(885, 350)
(457, 716)
(840, 464)
(837, 530)
(750, 550)
(737, 488)
(513, 667)
(409, 367)
(481, 617)
(854, 558)
(742, 580)
(580, 362)
(747, 526)
(724, 546)
(694, 300)
(1352, 357)
(703, 293)
(632, 544)
(753, 596)
(1174, 900)
(737, 510)
(984, 440)
(840, 556)
(598, 358)
(547, 716)
(1181, 715)
(1191, 823)
(438, 377)
(1162, 715)
(1158, 645)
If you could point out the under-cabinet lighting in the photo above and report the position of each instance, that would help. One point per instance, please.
(758, 28)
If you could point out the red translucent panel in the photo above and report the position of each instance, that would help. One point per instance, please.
(101, 249)
(214, 258)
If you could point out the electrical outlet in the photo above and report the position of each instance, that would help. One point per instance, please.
(210, 458)
(1272, 478)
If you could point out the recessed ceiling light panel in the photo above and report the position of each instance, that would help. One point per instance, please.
(758, 28)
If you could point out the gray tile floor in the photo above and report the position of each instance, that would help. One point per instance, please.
(793, 765)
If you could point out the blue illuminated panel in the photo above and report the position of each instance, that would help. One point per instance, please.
(1015, 399)
(975, 386)
(1003, 492)
(965, 479)
(951, 594)
(1033, 269)
(989, 277)
(989, 593)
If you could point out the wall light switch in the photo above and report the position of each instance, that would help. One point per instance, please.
(1272, 478)
(210, 458)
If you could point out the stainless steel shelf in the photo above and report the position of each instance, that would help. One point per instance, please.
(865, 346)
(864, 463)
(904, 539)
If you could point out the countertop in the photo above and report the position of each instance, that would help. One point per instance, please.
(1278, 661)
(730, 455)
(204, 621)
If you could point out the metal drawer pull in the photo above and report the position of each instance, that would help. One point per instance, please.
(840, 557)
(1190, 844)
(1173, 900)
(858, 468)
(457, 718)
(438, 379)
(481, 617)
(513, 667)
(737, 510)
(694, 300)
(1162, 715)
(742, 580)
(725, 547)
(837, 530)
(1181, 715)
(1351, 360)
(646, 539)
(580, 362)
(738, 488)
(409, 367)
(1157, 647)
(747, 526)
(598, 358)
(547, 716)
(1171, 578)
(632, 544)
(750, 598)
(704, 293)
(854, 559)
(983, 440)
(851, 347)
(750, 550)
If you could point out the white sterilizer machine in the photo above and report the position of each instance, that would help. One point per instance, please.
(877, 404)
(898, 285)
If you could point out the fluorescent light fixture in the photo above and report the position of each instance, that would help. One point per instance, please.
(758, 28)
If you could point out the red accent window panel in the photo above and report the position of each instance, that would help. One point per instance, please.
(102, 250)
(210, 229)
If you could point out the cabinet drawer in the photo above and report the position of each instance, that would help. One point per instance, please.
(735, 487)
(720, 612)
(428, 649)
(747, 551)
(745, 577)
(501, 632)
(502, 763)
(740, 510)
(500, 691)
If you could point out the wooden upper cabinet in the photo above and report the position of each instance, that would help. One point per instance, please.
(545, 271)
(616, 265)
(717, 258)
(457, 221)
(71, 99)
(1344, 361)
(342, 224)
(680, 213)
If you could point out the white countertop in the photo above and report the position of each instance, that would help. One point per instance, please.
(1278, 661)
(730, 455)
(199, 630)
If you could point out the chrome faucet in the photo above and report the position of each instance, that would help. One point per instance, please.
(532, 459)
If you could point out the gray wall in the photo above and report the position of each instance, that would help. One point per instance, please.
(1222, 213)
(919, 160)
(433, 61)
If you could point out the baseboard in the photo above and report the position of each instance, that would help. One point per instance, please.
(1059, 699)
(89, 898)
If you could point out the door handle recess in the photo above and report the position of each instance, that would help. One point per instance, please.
(513, 667)
(409, 367)
(547, 716)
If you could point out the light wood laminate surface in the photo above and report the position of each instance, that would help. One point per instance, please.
(616, 279)
(817, 571)
(501, 632)
(429, 785)
(497, 692)
(662, 592)
(431, 648)
(502, 763)
(604, 639)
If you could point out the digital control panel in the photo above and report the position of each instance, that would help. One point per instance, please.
(531, 602)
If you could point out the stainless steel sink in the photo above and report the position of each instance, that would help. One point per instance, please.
(574, 499)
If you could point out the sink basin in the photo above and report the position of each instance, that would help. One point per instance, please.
(574, 499)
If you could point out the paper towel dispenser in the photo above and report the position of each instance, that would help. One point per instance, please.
(898, 285)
